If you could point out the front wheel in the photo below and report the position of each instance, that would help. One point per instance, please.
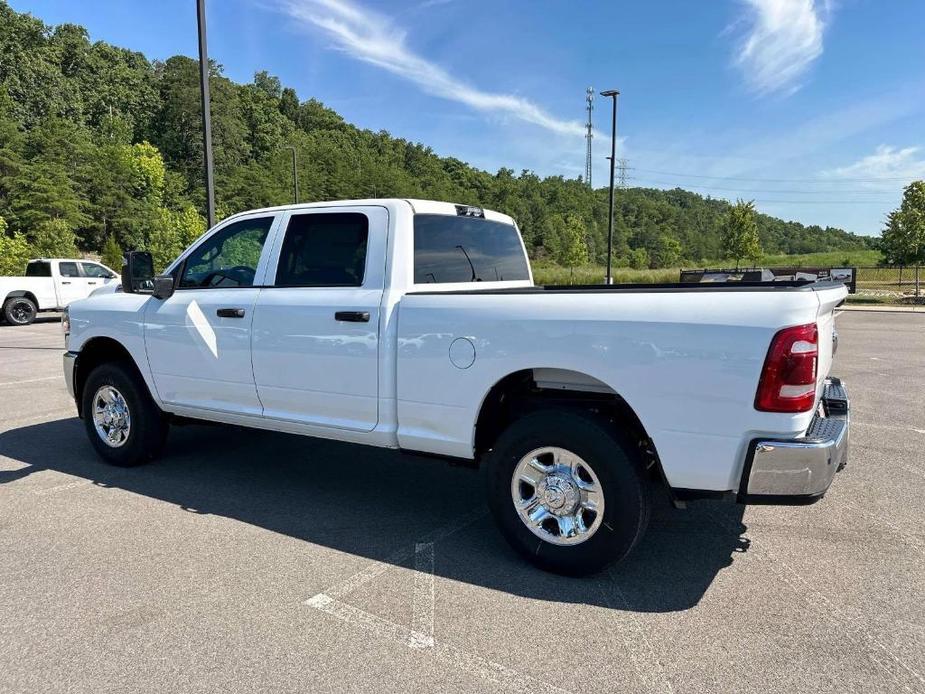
(20, 310)
(123, 423)
(567, 492)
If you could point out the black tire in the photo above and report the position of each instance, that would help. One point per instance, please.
(148, 427)
(625, 487)
(19, 310)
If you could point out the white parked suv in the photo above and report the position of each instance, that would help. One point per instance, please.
(416, 325)
(50, 284)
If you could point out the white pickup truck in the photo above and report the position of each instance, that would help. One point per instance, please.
(50, 284)
(416, 325)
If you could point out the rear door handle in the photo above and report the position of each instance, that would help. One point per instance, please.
(65, 283)
(91, 282)
(230, 313)
(352, 316)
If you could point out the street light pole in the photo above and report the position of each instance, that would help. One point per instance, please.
(613, 93)
(206, 111)
(295, 174)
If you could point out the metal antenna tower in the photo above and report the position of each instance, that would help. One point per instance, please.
(621, 173)
(588, 136)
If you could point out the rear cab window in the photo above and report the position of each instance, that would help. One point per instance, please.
(453, 249)
(324, 249)
(38, 268)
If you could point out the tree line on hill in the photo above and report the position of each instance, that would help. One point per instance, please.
(101, 150)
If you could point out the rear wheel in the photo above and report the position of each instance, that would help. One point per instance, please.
(19, 310)
(567, 492)
(123, 423)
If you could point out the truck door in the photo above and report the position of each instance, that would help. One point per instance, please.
(69, 283)
(199, 340)
(97, 275)
(316, 323)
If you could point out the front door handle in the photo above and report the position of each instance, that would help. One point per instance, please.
(352, 316)
(91, 282)
(230, 313)
(65, 283)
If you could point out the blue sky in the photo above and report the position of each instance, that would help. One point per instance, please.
(815, 109)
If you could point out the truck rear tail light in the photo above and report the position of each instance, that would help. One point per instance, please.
(788, 379)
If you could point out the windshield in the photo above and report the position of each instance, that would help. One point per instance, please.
(466, 249)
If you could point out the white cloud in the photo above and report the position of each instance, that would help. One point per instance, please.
(887, 163)
(376, 39)
(783, 39)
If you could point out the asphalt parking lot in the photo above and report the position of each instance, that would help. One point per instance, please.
(253, 562)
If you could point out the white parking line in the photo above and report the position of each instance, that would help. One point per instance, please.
(61, 487)
(508, 678)
(32, 380)
(891, 427)
(420, 636)
(377, 568)
(649, 669)
(53, 415)
(422, 619)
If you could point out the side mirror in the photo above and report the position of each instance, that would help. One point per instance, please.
(163, 287)
(138, 272)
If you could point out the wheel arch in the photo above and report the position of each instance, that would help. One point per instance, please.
(24, 293)
(532, 389)
(96, 351)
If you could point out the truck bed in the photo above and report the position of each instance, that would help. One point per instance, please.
(665, 287)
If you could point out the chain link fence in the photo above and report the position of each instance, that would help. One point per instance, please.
(899, 284)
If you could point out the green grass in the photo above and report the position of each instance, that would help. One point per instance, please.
(827, 259)
(592, 274)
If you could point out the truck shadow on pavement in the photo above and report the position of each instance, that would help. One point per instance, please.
(374, 503)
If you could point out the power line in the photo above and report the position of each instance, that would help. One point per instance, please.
(779, 180)
(841, 191)
(820, 202)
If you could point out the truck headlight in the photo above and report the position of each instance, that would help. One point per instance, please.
(66, 323)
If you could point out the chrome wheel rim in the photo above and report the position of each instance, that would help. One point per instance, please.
(111, 416)
(557, 496)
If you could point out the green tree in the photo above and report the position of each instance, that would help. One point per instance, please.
(740, 233)
(54, 238)
(14, 251)
(903, 239)
(172, 233)
(639, 258)
(573, 251)
(111, 254)
(667, 252)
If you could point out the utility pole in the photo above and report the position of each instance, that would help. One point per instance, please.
(295, 175)
(588, 136)
(613, 94)
(206, 111)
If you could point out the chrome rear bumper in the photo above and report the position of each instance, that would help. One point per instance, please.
(793, 471)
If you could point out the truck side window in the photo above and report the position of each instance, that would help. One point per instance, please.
(68, 270)
(324, 250)
(94, 270)
(38, 268)
(466, 249)
(228, 258)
